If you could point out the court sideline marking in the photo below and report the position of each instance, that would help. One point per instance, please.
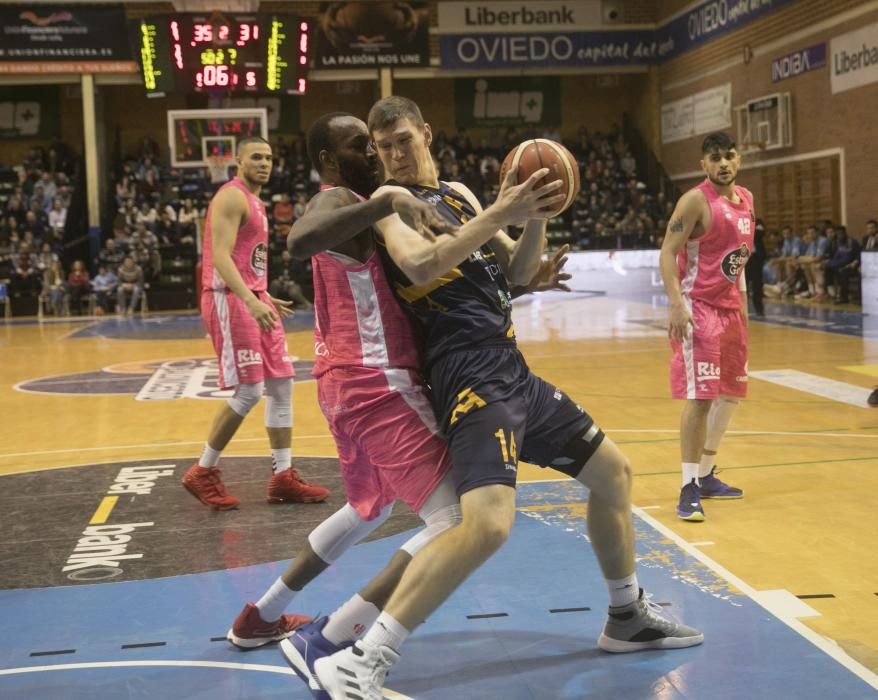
(264, 668)
(327, 436)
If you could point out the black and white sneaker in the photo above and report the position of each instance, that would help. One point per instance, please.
(640, 625)
(355, 673)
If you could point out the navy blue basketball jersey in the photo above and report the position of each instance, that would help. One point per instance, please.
(467, 306)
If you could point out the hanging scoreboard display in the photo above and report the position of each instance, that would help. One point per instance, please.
(226, 54)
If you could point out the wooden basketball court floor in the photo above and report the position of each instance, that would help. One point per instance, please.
(100, 417)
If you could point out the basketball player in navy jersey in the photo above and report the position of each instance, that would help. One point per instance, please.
(491, 409)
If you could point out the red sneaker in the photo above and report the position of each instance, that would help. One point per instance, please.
(250, 630)
(288, 487)
(206, 484)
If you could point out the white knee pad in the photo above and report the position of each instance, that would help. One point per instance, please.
(279, 402)
(343, 529)
(440, 512)
(437, 522)
(245, 398)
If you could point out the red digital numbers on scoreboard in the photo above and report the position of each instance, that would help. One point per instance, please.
(221, 53)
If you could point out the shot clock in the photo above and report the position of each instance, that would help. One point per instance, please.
(257, 54)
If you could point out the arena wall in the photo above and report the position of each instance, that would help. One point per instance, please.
(833, 134)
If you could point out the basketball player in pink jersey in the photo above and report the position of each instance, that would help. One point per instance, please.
(705, 250)
(244, 323)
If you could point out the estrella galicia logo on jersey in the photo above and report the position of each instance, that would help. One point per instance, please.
(734, 261)
(162, 380)
(259, 259)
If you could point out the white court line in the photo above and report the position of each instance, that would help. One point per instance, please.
(825, 645)
(149, 444)
(329, 437)
(769, 603)
(702, 544)
(263, 668)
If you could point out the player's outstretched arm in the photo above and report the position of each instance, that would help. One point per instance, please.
(335, 216)
(686, 217)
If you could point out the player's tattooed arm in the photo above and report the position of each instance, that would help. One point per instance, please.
(683, 221)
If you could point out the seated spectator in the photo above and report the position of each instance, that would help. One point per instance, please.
(167, 231)
(146, 214)
(130, 286)
(79, 286)
(57, 217)
(26, 278)
(149, 188)
(845, 264)
(188, 220)
(104, 286)
(284, 286)
(815, 247)
(147, 166)
(791, 248)
(870, 239)
(125, 190)
(110, 255)
(35, 225)
(54, 287)
(46, 257)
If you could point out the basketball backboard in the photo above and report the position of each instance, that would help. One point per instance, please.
(765, 123)
(196, 134)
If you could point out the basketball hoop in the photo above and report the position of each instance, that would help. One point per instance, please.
(753, 146)
(219, 167)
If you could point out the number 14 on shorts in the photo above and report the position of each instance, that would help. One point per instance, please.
(508, 449)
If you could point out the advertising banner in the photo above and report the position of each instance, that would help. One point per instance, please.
(486, 102)
(855, 59)
(372, 35)
(60, 39)
(798, 62)
(539, 15)
(29, 112)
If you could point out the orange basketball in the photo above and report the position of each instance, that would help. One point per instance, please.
(530, 156)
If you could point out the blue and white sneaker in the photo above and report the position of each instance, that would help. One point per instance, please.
(689, 506)
(304, 647)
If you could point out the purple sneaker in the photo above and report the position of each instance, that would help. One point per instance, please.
(302, 650)
(689, 506)
(711, 487)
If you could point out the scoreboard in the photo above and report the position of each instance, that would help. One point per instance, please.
(225, 54)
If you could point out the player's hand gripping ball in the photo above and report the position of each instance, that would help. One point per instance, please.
(530, 156)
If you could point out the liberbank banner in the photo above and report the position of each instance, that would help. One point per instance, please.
(515, 45)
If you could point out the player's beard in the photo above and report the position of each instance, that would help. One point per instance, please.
(719, 183)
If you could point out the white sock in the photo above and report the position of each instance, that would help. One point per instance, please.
(706, 464)
(350, 621)
(280, 460)
(690, 471)
(209, 457)
(275, 600)
(623, 591)
(386, 632)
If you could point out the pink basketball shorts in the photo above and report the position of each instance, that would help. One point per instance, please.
(386, 436)
(247, 354)
(712, 361)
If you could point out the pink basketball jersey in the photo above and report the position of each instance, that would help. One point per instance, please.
(357, 320)
(710, 265)
(250, 253)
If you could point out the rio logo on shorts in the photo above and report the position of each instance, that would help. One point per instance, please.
(160, 380)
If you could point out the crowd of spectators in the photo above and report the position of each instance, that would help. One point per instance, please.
(821, 264)
(35, 197)
(157, 214)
